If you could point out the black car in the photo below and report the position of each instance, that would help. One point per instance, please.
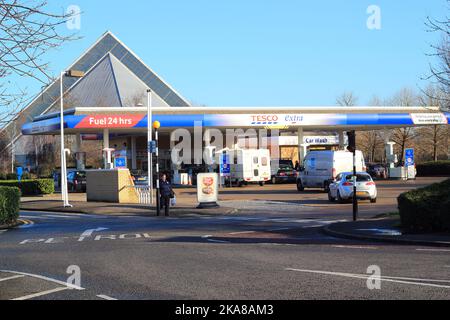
(377, 171)
(76, 181)
(284, 172)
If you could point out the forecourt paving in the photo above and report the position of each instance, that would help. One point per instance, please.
(254, 254)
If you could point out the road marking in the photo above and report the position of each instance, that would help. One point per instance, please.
(40, 294)
(242, 232)
(89, 232)
(355, 247)
(67, 285)
(36, 217)
(60, 216)
(279, 229)
(434, 250)
(207, 238)
(386, 279)
(12, 278)
(105, 297)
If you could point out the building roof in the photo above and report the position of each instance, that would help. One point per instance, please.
(112, 69)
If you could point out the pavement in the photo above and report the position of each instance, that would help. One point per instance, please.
(118, 209)
(274, 247)
(385, 230)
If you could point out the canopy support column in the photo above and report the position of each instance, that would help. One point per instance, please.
(133, 154)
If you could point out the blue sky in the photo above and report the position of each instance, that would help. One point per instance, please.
(267, 53)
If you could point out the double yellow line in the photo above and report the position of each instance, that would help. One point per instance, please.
(25, 221)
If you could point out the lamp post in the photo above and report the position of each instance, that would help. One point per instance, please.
(149, 139)
(352, 148)
(157, 125)
(64, 191)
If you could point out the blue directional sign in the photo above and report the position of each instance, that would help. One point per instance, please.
(152, 146)
(410, 158)
(120, 162)
(19, 172)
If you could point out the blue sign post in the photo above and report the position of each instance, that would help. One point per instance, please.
(19, 172)
(225, 168)
(410, 160)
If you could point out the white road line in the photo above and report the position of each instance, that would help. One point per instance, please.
(60, 216)
(355, 247)
(105, 297)
(40, 294)
(279, 229)
(242, 232)
(11, 278)
(36, 217)
(434, 250)
(386, 279)
(217, 241)
(89, 232)
(207, 237)
(68, 285)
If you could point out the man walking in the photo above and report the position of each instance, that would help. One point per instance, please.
(166, 194)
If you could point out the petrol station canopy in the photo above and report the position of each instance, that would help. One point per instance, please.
(120, 119)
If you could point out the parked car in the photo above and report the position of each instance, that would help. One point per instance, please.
(322, 167)
(377, 171)
(284, 172)
(342, 188)
(76, 181)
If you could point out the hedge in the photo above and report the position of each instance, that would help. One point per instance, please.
(426, 209)
(32, 187)
(9, 205)
(430, 169)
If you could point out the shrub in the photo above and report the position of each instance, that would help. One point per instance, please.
(11, 176)
(426, 209)
(430, 169)
(32, 187)
(2, 176)
(9, 205)
(45, 172)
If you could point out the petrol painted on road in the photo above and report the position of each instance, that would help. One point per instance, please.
(112, 237)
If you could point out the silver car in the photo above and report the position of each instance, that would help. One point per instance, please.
(341, 189)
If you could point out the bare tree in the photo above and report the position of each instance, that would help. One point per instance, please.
(27, 32)
(403, 136)
(434, 139)
(347, 99)
(441, 71)
(371, 142)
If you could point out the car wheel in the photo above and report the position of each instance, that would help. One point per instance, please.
(262, 184)
(330, 197)
(373, 200)
(326, 186)
(300, 186)
(340, 200)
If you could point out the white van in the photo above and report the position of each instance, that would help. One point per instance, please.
(320, 168)
(250, 166)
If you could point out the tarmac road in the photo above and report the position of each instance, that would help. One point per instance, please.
(271, 250)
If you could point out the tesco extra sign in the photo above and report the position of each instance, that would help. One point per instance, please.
(265, 118)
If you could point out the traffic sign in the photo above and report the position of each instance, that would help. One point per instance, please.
(225, 168)
(410, 158)
(152, 146)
